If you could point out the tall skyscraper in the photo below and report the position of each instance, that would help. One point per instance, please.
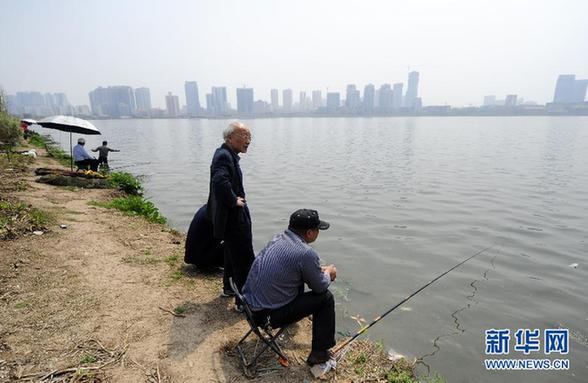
(143, 99)
(287, 100)
(274, 100)
(113, 101)
(412, 91)
(510, 101)
(564, 89)
(172, 103)
(317, 99)
(580, 87)
(352, 97)
(397, 95)
(333, 101)
(192, 99)
(385, 99)
(219, 100)
(568, 90)
(302, 101)
(245, 100)
(368, 98)
(489, 100)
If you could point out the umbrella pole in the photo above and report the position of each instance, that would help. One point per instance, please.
(70, 154)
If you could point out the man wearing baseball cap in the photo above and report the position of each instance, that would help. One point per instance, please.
(275, 285)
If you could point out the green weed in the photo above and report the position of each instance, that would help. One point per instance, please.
(180, 309)
(88, 359)
(17, 218)
(172, 260)
(126, 182)
(133, 205)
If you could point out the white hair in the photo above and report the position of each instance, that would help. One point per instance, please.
(229, 130)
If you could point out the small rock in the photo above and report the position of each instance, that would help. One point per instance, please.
(63, 226)
(38, 232)
(394, 356)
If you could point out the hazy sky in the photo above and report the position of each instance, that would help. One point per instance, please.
(462, 49)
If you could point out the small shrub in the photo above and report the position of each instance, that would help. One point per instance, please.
(125, 182)
(10, 132)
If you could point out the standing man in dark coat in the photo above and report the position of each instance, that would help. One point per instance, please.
(227, 207)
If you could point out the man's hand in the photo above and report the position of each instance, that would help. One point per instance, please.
(241, 202)
(332, 270)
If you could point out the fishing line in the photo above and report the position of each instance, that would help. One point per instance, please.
(339, 350)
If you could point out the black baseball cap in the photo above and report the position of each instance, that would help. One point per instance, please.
(305, 219)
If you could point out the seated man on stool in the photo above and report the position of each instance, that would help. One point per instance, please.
(275, 285)
(81, 158)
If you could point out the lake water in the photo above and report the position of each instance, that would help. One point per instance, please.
(407, 198)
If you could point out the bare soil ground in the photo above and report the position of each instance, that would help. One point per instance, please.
(108, 299)
(100, 294)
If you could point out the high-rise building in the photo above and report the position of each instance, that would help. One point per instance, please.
(317, 99)
(580, 87)
(192, 99)
(368, 98)
(143, 99)
(302, 101)
(385, 99)
(352, 97)
(172, 103)
(209, 103)
(287, 100)
(245, 100)
(113, 101)
(412, 90)
(397, 95)
(489, 100)
(510, 101)
(564, 89)
(219, 100)
(333, 101)
(274, 100)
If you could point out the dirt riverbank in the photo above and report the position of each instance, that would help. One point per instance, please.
(108, 298)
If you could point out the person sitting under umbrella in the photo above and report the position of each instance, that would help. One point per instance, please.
(81, 158)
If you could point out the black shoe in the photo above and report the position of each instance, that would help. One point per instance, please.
(227, 293)
(318, 357)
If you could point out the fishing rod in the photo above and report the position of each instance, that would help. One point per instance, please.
(345, 344)
(128, 166)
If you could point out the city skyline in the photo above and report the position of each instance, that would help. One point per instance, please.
(124, 101)
(463, 50)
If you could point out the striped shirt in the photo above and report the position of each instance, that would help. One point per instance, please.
(280, 271)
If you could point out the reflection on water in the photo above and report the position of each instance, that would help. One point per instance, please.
(407, 199)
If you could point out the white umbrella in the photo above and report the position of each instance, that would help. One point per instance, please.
(69, 124)
(28, 121)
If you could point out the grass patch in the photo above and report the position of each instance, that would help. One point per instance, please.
(181, 309)
(88, 359)
(17, 218)
(172, 260)
(20, 305)
(177, 275)
(126, 182)
(133, 205)
(147, 260)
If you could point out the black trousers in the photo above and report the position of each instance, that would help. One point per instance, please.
(92, 162)
(320, 306)
(238, 258)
